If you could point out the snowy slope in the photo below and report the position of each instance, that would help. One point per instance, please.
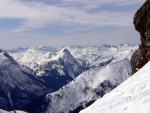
(36, 58)
(60, 69)
(86, 88)
(94, 57)
(18, 87)
(65, 63)
(56, 69)
(2, 111)
(132, 96)
(32, 57)
(89, 56)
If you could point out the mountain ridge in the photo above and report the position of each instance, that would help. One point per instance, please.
(18, 87)
(83, 90)
(132, 96)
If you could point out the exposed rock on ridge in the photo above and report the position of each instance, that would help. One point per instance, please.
(142, 25)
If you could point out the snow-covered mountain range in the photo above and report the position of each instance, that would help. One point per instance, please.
(59, 67)
(84, 90)
(56, 68)
(132, 96)
(89, 56)
(98, 56)
(18, 85)
(95, 71)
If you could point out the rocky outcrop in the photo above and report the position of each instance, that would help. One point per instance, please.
(142, 25)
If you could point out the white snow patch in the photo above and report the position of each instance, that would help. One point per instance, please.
(132, 96)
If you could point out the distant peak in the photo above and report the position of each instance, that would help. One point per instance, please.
(64, 51)
(64, 54)
(126, 44)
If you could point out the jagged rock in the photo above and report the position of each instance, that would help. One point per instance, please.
(142, 25)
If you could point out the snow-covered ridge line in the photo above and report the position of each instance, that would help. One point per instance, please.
(60, 67)
(18, 86)
(88, 56)
(132, 96)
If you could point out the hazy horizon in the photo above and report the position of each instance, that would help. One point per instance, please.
(57, 23)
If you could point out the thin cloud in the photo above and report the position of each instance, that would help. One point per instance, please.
(37, 14)
(104, 2)
(91, 5)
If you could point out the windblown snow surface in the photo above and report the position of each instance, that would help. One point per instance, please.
(2, 111)
(132, 96)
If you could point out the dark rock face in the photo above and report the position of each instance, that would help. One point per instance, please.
(142, 25)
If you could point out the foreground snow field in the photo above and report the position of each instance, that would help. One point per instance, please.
(132, 96)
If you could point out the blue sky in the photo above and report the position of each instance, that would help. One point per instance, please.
(56, 23)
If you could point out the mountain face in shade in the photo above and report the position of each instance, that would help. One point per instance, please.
(142, 25)
(61, 69)
(17, 86)
(83, 91)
